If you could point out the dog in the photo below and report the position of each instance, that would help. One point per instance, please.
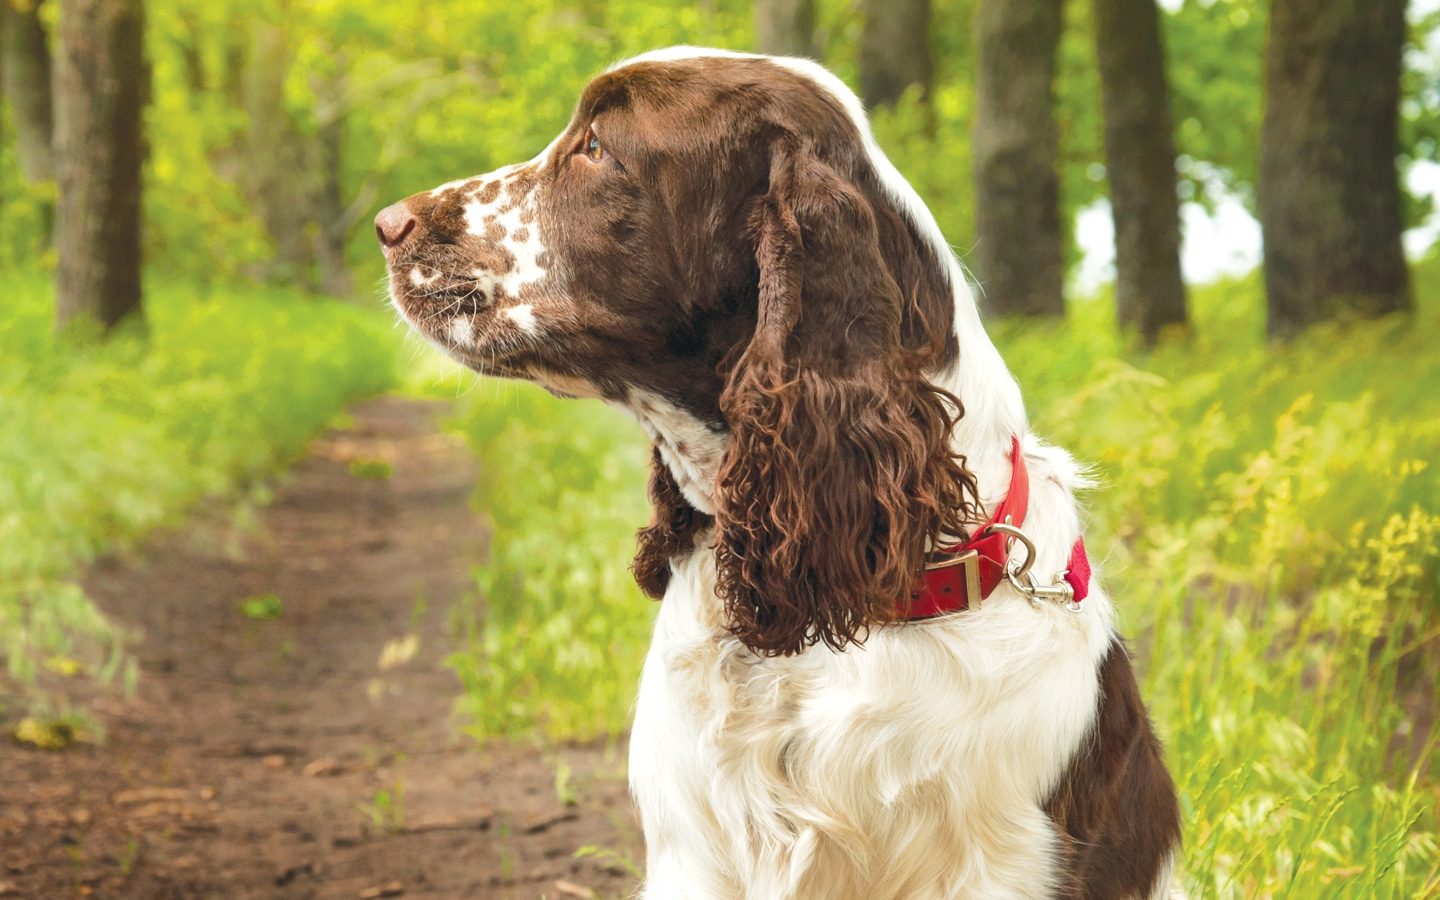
(881, 667)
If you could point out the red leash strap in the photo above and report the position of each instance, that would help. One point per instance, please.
(1078, 571)
(969, 572)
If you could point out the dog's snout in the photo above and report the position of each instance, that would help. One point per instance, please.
(394, 224)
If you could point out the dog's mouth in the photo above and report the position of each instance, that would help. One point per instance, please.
(460, 315)
(429, 299)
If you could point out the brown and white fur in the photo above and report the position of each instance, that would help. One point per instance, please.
(716, 244)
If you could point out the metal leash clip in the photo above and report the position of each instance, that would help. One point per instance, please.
(1018, 574)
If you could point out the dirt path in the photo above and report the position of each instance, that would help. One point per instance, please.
(312, 754)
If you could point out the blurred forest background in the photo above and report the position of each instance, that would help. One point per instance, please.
(190, 278)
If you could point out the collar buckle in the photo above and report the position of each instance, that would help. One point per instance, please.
(970, 561)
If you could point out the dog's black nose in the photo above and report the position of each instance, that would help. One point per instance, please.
(394, 224)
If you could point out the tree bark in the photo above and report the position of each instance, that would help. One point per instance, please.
(786, 27)
(894, 50)
(275, 173)
(1140, 163)
(332, 224)
(1015, 143)
(1329, 188)
(25, 74)
(100, 88)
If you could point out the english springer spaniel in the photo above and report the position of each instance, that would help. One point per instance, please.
(881, 667)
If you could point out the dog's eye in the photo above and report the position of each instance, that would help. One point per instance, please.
(593, 150)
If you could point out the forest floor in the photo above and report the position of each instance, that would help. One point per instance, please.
(312, 753)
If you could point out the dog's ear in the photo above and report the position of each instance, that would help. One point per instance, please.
(839, 470)
(671, 531)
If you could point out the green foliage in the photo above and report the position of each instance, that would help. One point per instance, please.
(565, 628)
(376, 469)
(610, 859)
(1420, 108)
(1268, 521)
(52, 732)
(932, 148)
(1270, 525)
(24, 208)
(386, 809)
(102, 442)
(1216, 63)
(431, 92)
(264, 606)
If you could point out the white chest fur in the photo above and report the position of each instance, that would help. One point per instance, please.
(914, 766)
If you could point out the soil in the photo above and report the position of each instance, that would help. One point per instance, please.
(312, 754)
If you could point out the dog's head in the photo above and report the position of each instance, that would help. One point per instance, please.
(715, 241)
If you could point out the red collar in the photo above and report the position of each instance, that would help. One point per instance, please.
(961, 576)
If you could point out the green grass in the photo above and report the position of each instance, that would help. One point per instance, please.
(102, 442)
(263, 606)
(1269, 522)
(566, 628)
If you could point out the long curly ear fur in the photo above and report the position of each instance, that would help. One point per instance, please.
(671, 531)
(839, 470)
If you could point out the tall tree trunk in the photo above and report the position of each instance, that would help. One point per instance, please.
(786, 27)
(332, 220)
(894, 49)
(100, 88)
(25, 73)
(1329, 189)
(289, 167)
(1015, 144)
(274, 172)
(1140, 157)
